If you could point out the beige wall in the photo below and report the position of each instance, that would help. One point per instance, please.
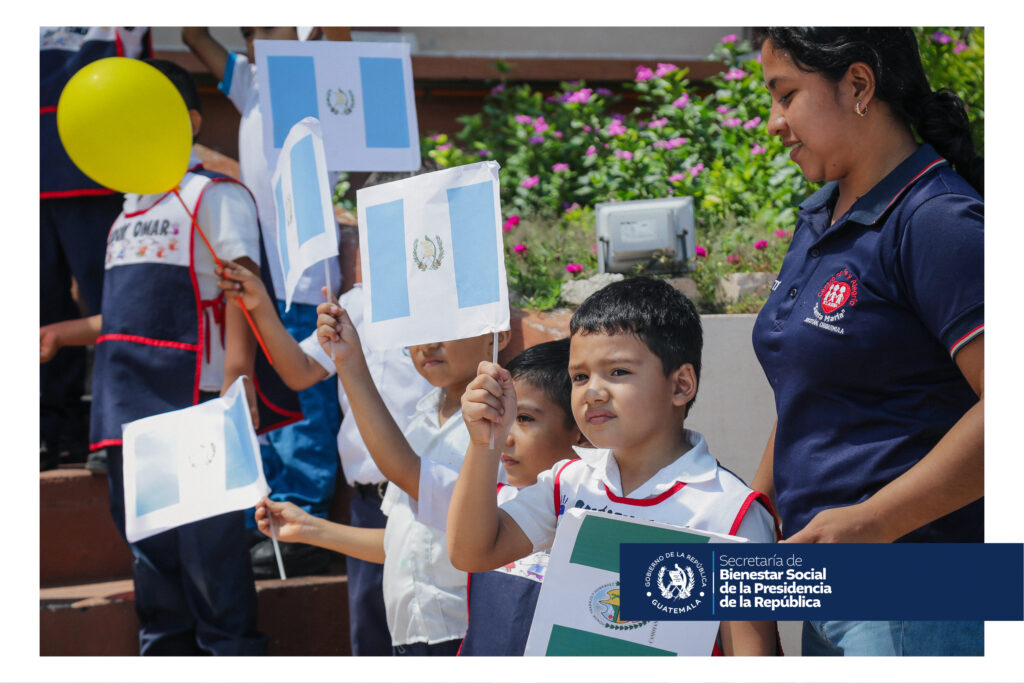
(606, 42)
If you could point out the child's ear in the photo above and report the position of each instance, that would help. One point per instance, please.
(684, 384)
(581, 440)
(504, 338)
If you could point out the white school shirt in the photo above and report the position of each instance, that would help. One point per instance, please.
(400, 386)
(424, 595)
(227, 217)
(240, 85)
(709, 497)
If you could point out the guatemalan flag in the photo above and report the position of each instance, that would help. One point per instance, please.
(306, 233)
(362, 94)
(432, 257)
(190, 464)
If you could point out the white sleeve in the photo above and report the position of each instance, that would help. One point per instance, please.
(227, 215)
(757, 525)
(437, 483)
(311, 347)
(238, 80)
(533, 509)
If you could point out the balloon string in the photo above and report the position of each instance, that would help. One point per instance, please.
(252, 325)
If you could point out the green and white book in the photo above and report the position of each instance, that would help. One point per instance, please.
(578, 607)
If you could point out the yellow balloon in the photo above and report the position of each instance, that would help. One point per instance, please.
(125, 125)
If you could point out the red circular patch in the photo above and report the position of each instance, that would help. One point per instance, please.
(835, 295)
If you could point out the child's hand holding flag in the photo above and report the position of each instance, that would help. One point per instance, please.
(337, 334)
(490, 399)
(240, 283)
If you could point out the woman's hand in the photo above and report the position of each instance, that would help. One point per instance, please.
(850, 524)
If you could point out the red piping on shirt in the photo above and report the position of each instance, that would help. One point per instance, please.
(644, 502)
(63, 194)
(966, 338)
(558, 486)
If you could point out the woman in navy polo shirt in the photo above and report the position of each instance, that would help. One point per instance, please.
(872, 339)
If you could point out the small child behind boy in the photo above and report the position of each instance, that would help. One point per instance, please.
(634, 366)
(501, 602)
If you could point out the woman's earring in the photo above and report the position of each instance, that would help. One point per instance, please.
(860, 113)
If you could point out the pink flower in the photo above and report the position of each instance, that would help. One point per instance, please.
(732, 258)
(512, 222)
(580, 96)
(664, 69)
(591, 151)
(696, 170)
(560, 167)
(536, 139)
(760, 244)
(622, 154)
(587, 128)
(445, 146)
(435, 137)
(593, 248)
(783, 234)
(497, 89)
(752, 123)
(702, 252)
(676, 177)
(941, 38)
(604, 91)
(574, 268)
(732, 122)
(572, 207)
(643, 73)
(734, 74)
(529, 182)
(616, 128)
(658, 123)
(520, 248)
(523, 118)
(731, 38)
(757, 149)
(959, 47)
(722, 109)
(539, 126)
(683, 100)
(557, 134)
(676, 142)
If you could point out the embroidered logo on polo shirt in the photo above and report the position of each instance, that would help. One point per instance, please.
(834, 300)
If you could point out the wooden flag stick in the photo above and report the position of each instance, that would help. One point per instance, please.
(217, 260)
(494, 359)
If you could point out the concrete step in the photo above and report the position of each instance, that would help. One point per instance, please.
(302, 616)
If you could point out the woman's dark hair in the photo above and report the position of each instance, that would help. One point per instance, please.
(546, 367)
(938, 116)
(652, 310)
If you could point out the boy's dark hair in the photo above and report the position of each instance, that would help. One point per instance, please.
(655, 312)
(181, 80)
(427, 165)
(546, 367)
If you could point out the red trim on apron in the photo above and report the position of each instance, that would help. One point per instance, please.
(63, 194)
(48, 110)
(135, 339)
(644, 502)
(103, 444)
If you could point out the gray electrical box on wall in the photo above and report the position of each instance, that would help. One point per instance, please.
(641, 231)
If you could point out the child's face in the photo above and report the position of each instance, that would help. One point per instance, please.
(621, 398)
(539, 436)
(447, 364)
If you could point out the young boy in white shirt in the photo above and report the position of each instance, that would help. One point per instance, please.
(634, 366)
(500, 602)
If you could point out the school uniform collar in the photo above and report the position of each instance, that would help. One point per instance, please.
(871, 207)
(430, 407)
(693, 466)
(140, 202)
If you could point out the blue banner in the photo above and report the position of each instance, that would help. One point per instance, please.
(826, 581)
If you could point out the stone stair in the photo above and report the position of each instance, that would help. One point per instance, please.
(86, 596)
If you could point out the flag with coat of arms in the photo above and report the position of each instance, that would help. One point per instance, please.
(432, 257)
(190, 464)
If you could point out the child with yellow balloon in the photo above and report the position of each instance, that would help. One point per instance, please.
(164, 337)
